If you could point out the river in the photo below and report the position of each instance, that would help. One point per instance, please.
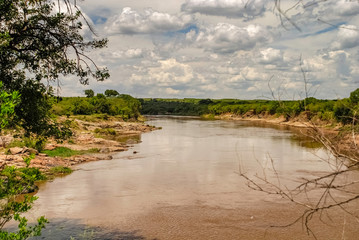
(183, 182)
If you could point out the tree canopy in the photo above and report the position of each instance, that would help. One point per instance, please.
(354, 96)
(111, 93)
(40, 40)
(89, 93)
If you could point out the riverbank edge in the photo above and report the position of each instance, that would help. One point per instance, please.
(344, 142)
(96, 139)
(300, 121)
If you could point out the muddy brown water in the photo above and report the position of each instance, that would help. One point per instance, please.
(182, 182)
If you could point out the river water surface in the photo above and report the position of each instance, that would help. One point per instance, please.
(183, 182)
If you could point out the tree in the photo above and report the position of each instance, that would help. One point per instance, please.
(89, 93)
(14, 182)
(111, 93)
(8, 102)
(40, 41)
(354, 96)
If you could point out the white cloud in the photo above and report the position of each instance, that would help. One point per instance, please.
(347, 37)
(224, 49)
(130, 21)
(171, 91)
(227, 8)
(271, 56)
(129, 53)
(226, 38)
(252, 74)
(169, 73)
(347, 8)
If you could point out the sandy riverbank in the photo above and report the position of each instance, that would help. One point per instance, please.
(104, 137)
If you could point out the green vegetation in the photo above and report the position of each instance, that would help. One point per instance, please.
(61, 152)
(8, 101)
(37, 143)
(14, 182)
(38, 42)
(123, 106)
(89, 93)
(111, 93)
(181, 107)
(67, 152)
(331, 111)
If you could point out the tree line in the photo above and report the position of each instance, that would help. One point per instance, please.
(111, 103)
(341, 111)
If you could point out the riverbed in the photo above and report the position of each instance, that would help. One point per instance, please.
(184, 182)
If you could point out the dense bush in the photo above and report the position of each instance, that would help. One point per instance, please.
(124, 106)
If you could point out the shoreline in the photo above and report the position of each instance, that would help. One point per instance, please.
(346, 143)
(99, 140)
(299, 122)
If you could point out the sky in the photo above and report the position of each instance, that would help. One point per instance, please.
(243, 49)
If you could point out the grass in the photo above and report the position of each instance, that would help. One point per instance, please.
(61, 152)
(16, 143)
(67, 152)
(30, 142)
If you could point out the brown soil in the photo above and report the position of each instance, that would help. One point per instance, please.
(87, 135)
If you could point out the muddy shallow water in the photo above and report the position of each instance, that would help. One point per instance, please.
(183, 182)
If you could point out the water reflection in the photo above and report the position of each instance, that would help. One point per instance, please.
(75, 229)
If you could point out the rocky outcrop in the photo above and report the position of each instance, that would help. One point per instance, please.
(22, 150)
(84, 139)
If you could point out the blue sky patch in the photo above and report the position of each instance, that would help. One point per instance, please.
(325, 30)
(98, 19)
(183, 31)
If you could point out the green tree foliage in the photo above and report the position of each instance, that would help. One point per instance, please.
(37, 42)
(123, 106)
(111, 93)
(343, 111)
(185, 107)
(14, 182)
(354, 96)
(89, 93)
(8, 102)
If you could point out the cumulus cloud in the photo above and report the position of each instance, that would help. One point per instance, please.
(271, 56)
(129, 53)
(347, 37)
(169, 74)
(130, 21)
(192, 55)
(318, 17)
(226, 38)
(229, 8)
(347, 8)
